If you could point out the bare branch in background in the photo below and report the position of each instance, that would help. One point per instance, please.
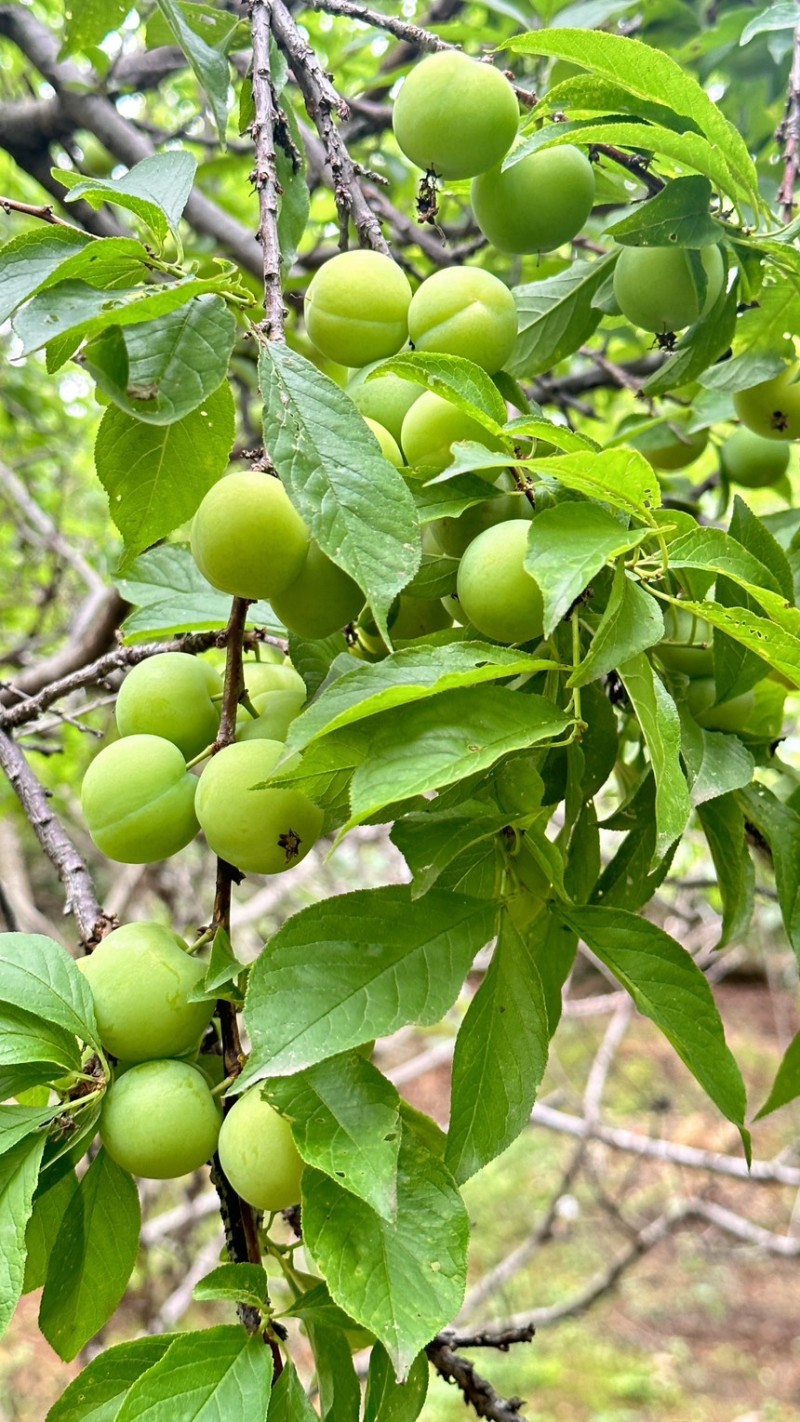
(478, 1393)
(789, 135)
(265, 173)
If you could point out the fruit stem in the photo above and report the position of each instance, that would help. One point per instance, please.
(203, 755)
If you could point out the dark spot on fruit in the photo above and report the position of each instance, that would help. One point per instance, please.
(290, 842)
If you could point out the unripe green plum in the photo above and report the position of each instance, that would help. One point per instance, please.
(170, 695)
(538, 203)
(733, 715)
(389, 446)
(668, 450)
(464, 311)
(159, 1120)
(418, 617)
(454, 116)
(260, 830)
(356, 308)
(276, 711)
(753, 461)
(455, 534)
(497, 595)
(258, 1154)
(322, 599)
(141, 976)
(431, 428)
(260, 677)
(247, 538)
(772, 408)
(687, 644)
(138, 800)
(656, 288)
(386, 398)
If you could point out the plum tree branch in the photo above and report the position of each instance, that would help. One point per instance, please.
(44, 212)
(265, 174)
(789, 134)
(401, 29)
(477, 1391)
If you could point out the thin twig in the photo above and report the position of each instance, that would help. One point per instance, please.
(265, 173)
(45, 213)
(789, 134)
(401, 29)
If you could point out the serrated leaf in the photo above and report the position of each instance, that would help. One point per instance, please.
(455, 379)
(171, 595)
(402, 1280)
(500, 1057)
(677, 216)
(723, 825)
(345, 1122)
(568, 544)
(354, 501)
(669, 988)
(658, 717)
(209, 64)
(430, 842)
(621, 477)
(443, 740)
(156, 189)
(156, 475)
(386, 1399)
(239, 1283)
(288, 1402)
(98, 1392)
(631, 623)
(716, 763)
(17, 1122)
(781, 16)
(50, 1202)
(214, 1375)
(337, 1381)
(62, 315)
(786, 1086)
(556, 316)
(778, 648)
(357, 966)
(30, 258)
(88, 22)
(19, 1171)
(93, 1258)
(39, 976)
(27, 1037)
(778, 826)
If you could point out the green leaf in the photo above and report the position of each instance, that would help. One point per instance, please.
(568, 544)
(156, 190)
(753, 534)
(761, 635)
(337, 1380)
(63, 315)
(678, 215)
(19, 1171)
(786, 1086)
(621, 477)
(403, 1280)
(781, 16)
(779, 827)
(172, 364)
(97, 1394)
(355, 967)
(50, 1202)
(410, 675)
(669, 988)
(156, 475)
(288, 1402)
(430, 841)
(93, 1258)
(38, 975)
(386, 1399)
(88, 22)
(214, 1375)
(632, 621)
(345, 1122)
(354, 501)
(171, 595)
(316, 1308)
(556, 316)
(238, 1283)
(658, 717)
(500, 1057)
(716, 763)
(17, 1122)
(27, 1037)
(438, 742)
(209, 64)
(460, 381)
(723, 825)
(31, 257)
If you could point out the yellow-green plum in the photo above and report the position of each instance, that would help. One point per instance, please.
(454, 535)
(464, 311)
(753, 461)
(258, 1154)
(170, 695)
(538, 203)
(433, 425)
(418, 617)
(259, 829)
(386, 398)
(216, 656)
(687, 643)
(657, 289)
(138, 800)
(497, 595)
(322, 599)
(670, 445)
(247, 538)
(141, 976)
(263, 676)
(389, 446)
(159, 1120)
(772, 407)
(733, 715)
(276, 711)
(356, 308)
(454, 116)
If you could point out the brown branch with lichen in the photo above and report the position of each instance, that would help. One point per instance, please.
(789, 135)
(265, 173)
(477, 1392)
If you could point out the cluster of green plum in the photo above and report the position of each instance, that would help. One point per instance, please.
(142, 802)
(160, 1117)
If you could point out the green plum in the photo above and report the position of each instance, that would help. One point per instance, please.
(170, 695)
(141, 976)
(276, 711)
(454, 535)
(386, 398)
(259, 829)
(657, 289)
(138, 800)
(418, 617)
(159, 1120)
(687, 643)
(772, 407)
(322, 599)
(389, 446)
(464, 311)
(733, 715)
(454, 116)
(258, 1154)
(538, 203)
(670, 445)
(753, 461)
(356, 308)
(247, 538)
(433, 425)
(497, 595)
(260, 677)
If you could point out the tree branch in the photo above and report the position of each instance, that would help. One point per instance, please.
(45, 214)
(265, 174)
(478, 1393)
(789, 134)
(401, 29)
